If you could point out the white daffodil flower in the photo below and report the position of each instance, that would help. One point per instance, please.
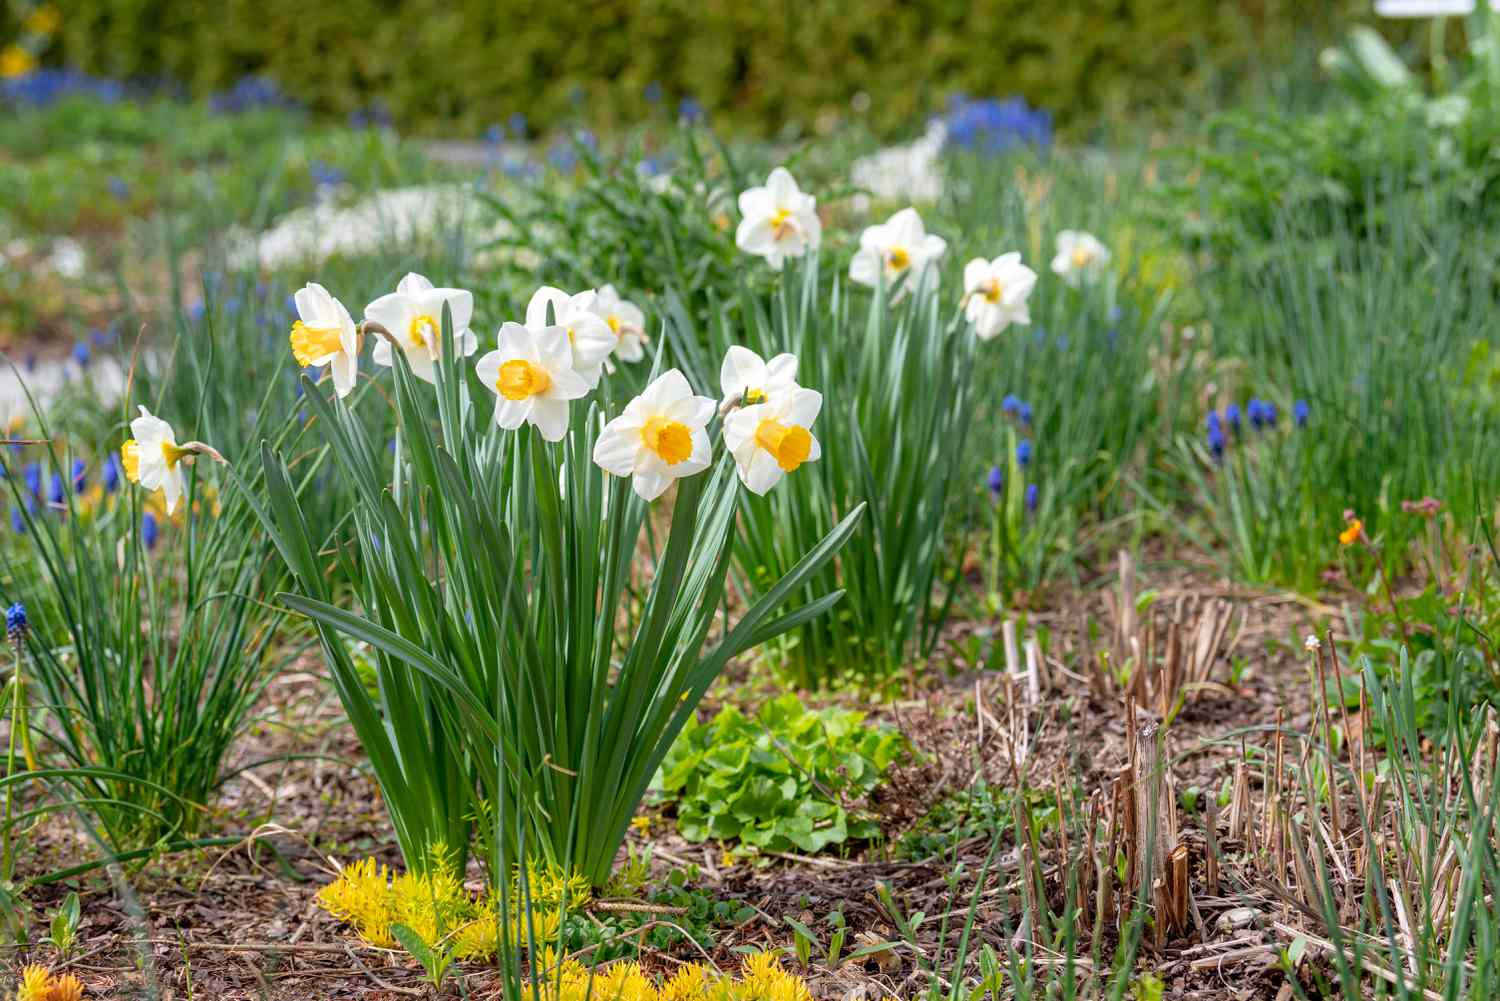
(587, 332)
(659, 438)
(152, 457)
(324, 334)
(413, 315)
(995, 293)
(769, 440)
(625, 321)
(1080, 256)
(746, 379)
(531, 374)
(897, 250)
(778, 220)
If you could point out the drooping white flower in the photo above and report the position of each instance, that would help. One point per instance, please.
(899, 248)
(531, 374)
(769, 440)
(152, 457)
(747, 379)
(1080, 256)
(414, 314)
(659, 438)
(995, 293)
(587, 332)
(625, 321)
(778, 220)
(324, 334)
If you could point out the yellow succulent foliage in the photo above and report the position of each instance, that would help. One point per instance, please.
(35, 984)
(761, 979)
(550, 888)
(361, 896)
(441, 911)
(38, 984)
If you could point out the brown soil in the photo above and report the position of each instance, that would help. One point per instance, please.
(240, 921)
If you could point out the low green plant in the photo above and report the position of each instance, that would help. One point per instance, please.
(787, 778)
(144, 659)
(1439, 646)
(63, 928)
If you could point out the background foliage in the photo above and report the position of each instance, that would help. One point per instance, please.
(474, 62)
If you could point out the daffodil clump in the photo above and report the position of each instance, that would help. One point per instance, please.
(761, 979)
(537, 677)
(37, 983)
(435, 904)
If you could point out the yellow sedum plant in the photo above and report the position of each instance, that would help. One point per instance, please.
(435, 905)
(761, 979)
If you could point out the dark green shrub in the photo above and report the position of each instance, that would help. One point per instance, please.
(474, 62)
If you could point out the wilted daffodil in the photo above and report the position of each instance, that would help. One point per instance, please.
(659, 438)
(324, 334)
(900, 248)
(587, 333)
(1080, 256)
(625, 320)
(778, 220)
(748, 379)
(769, 440)
(153, 458)
(532, 375)
(995, 293)
(413, 316)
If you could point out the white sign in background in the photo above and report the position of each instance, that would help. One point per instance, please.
(1427, 8)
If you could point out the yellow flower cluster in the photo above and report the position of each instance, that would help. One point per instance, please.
(38, 984)
(761, 979)
(436, 906)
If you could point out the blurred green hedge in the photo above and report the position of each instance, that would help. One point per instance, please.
(464, 64)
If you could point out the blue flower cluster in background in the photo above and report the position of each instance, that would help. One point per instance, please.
(376, 116)
(325, 175)
(44, 87)
(1014, 407)
(992, 125)
(1261, 415)
(248, 94)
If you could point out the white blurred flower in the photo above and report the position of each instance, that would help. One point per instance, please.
(747, 379)
(769, 440)
(324, 334)
(587, 332)
(626, 322)
(899, 248)
(68, 258)
(778, 220)
(1312, 643)
(1080, 256)
(662, 436)
(995, 293)
(902, 173)
(413, 315)
(531, 374)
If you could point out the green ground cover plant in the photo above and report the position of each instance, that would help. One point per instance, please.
(781, 780)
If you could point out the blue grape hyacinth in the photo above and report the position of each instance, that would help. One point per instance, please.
(16, 622)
